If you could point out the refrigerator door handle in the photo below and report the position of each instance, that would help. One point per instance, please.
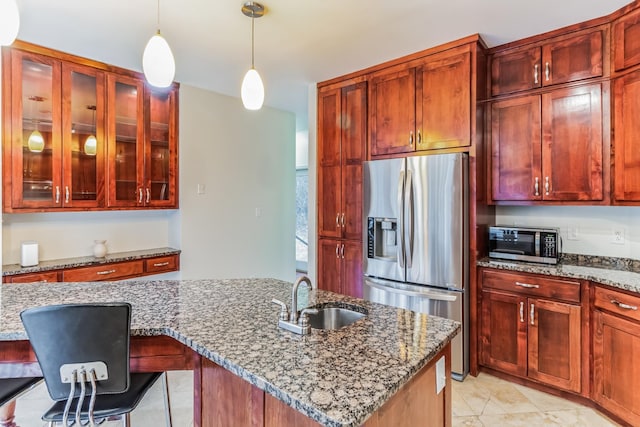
(408, 200)
(438, 296)
(401, 251)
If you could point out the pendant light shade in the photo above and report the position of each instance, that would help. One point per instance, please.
(252, 90)
(157, 60)
(36, 142)
(91, 146)
(9, 22)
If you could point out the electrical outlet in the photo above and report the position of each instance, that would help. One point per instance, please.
(617, 237)
(572, 233)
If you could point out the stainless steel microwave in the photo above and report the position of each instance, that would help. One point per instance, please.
(541, 245)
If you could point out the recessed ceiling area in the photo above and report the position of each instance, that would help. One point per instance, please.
(296, 43)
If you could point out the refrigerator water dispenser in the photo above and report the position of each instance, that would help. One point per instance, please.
(382, 238)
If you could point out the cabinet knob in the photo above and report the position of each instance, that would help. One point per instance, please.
(532, 314)
(57, 194)
(419, 137)
(547, 71)
(148, 195)
(536, 187)
(535, 74)
(411, 138)
(547, 186)
(521, 311)
(139, 195)
(337, 219)
(66, 194)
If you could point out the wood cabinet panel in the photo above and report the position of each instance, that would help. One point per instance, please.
(616, 347)
(532, 285)
(573, 135)
(277, 414)
(351, 275)
(340, 266)
(113, 271)
(619, 303)
(443, 101)
(626, 40)
(626, 142)
(574, 58)
(554, 347)
(503, 332)
(392, 114)
(516, 70)
(516, 149)
(49, 276)
(329, 265)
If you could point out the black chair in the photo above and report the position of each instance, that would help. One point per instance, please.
(86, 346)
(12, 388)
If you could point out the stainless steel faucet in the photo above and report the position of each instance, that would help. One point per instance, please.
(293, 317)
(298, 323)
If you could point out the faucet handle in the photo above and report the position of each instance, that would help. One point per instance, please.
(304, 316)
(284, 310)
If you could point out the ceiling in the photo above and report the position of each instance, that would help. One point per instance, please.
(298, 42)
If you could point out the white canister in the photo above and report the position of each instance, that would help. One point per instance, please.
(29, 253)
(99, 248)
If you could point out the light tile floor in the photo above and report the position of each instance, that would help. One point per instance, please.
(487, 401)
(483, 401)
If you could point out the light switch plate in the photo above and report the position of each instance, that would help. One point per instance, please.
(441, 375)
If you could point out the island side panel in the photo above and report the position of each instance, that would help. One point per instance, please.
(417, 402)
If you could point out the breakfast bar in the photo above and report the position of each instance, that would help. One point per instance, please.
(227, 332)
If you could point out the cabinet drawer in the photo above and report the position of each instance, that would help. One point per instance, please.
(160, 264)
(114, 271)
(49, 276)
(617, 302)
(533, 285)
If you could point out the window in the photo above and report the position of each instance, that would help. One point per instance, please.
(302, 219)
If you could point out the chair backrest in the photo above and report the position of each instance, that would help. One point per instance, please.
(81, 333)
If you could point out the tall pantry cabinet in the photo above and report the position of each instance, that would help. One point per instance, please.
(342, 134)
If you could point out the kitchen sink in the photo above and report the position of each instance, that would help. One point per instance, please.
(331, 318)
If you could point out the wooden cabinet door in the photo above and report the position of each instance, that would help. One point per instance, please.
(616, 349)
(161, 149)
(351, 255)
(392, 103)
(626, 41)
(503, 332)
(571, 59)
(516, 149)
(443, 100)
(627, 137)
(572, 151)
(329, 265)
(83, 136)
(353, 147)
(36, 147)
(329, 164)
(125, 130)
(515, 70)
(554, 348)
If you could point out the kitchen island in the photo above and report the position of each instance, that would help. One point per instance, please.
(229, 327)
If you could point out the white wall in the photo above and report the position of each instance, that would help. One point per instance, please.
(593, 225)
(246, 161)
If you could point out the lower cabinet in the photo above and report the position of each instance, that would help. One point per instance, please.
(340, 266)
(616, 350)
(527, 330)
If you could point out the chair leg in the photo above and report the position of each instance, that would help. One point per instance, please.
(167, 399)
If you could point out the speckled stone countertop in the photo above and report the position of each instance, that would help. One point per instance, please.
(338, 378)
(621, 273)
(60, 264)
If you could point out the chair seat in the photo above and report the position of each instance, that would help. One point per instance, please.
(11, 387)
(108, 405)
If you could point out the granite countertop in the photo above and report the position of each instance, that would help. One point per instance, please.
(621, 273)
(60, 264)
(338, 378)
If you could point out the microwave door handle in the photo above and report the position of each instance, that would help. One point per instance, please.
(408, 197)
(400, 213)
(438, 296)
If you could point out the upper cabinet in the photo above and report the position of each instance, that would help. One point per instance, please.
(422, 105)
(626, 41)
(560, 60)
(80, 135)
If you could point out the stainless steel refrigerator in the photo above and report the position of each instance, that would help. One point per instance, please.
(416, 245)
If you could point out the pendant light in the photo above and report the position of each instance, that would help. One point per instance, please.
(91, 143)
(252, 91)
(35, 143)
(9, 21)
(158, 63)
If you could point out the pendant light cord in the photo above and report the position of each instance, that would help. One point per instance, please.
(158, 15)
(252, 39)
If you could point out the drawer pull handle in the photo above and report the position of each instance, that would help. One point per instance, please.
(532, 314)
(624, 306)
(527, 285)
(535, 74)
(536, 187)
(102, 273)
(521, 312)
(160, 264)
